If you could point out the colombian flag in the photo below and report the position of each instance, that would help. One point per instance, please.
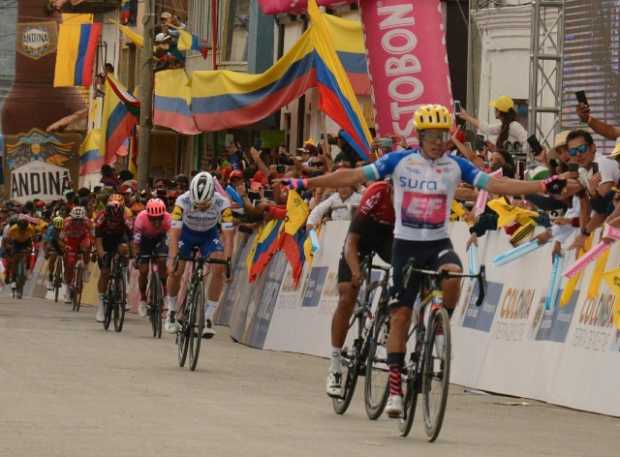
(188, 41)
(171, 105)
(338, 99)
(91, 158)
(266, 244)
(121, 112)
(78, 38)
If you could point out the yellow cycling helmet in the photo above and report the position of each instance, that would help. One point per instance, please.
(58, 222)
(432, 117)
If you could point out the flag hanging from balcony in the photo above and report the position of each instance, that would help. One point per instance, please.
(188, 41)
(121, 112)
(91, 157)
(78, 39)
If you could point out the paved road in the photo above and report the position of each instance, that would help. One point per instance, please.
(67, 388)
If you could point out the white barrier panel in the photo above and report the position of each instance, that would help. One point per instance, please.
(568, 355)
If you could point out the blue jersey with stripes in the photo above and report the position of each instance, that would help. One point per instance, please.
(424, 190)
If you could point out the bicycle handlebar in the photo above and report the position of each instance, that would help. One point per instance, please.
(444, 274)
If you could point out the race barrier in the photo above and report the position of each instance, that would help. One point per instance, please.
(567, 354)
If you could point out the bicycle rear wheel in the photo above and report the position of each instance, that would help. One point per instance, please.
(197, 325)
(376, 385)
(436, 372)
(183, 335)
(121, 304)
(77, 287)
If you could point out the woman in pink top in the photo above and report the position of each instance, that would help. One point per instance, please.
(149, 238)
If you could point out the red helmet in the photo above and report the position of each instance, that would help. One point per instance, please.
(155, 207)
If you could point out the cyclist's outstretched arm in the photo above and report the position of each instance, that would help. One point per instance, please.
(340, 178)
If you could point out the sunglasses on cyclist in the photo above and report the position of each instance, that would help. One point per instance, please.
(581, 149)
(436, 135)
(202, 206)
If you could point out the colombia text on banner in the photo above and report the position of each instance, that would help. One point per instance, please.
(121, 112)
(77, 48)
(407, 61)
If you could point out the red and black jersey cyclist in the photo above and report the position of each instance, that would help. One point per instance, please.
(150, 230)
(77, 239)
(371, 231)
(112, 234)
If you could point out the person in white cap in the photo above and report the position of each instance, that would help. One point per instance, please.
(508, 129)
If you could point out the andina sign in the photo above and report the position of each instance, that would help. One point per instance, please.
(36, 39)
(40, 180)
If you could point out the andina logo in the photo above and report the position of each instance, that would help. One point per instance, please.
(516, 303)
(598, 312)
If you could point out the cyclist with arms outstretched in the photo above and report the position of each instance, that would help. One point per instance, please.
(425, 180)
(195, 220)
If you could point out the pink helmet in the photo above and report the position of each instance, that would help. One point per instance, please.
(155, 207)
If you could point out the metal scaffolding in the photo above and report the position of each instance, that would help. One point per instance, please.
(546, 59)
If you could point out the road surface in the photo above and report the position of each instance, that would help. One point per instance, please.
(68, 388)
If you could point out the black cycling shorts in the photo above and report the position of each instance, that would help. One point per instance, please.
(151, 246)
(431, 255)
(110, 246)
(383, 248)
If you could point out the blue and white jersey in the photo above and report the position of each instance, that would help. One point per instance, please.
(184, 214)
(424, 190)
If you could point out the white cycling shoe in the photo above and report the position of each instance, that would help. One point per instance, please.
(333, 385)
(208, 332)
(50, 285)
(171, 325)
(67, 295)
(100, 314)
(394, 407)
(142, 308)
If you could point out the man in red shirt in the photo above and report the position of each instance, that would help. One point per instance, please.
(371, 231)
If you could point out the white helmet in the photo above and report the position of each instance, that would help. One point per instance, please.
(78, 212)
(202, 188)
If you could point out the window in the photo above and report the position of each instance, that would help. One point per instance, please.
(236, 27)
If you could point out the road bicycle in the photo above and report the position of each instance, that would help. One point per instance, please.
(427, 371)
(354, 360)
(20, 274)
(189, 338)
(155, 293)
(115, 298)
(58, 276)
(77, 283)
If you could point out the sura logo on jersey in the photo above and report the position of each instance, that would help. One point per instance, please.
(418, 184)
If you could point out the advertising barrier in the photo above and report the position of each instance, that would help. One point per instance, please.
(568, 355)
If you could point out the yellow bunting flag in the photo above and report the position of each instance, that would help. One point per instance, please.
(597, 275)
(571, 285)
(296, 213)
(612, 278)
(457, 211)
(509, 214)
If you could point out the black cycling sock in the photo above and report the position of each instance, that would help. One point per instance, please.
(450, 312)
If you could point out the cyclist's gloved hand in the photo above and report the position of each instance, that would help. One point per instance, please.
(554, 184)
(295, 183)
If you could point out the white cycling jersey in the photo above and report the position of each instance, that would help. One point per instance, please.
(424, 190)
(184, 214)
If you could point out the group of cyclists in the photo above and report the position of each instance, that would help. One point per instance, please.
(404, 215)
(153, 233)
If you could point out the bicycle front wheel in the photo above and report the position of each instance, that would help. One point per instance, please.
(155, 302)
(21, 277)
(197, 325)
(183, 335)
(436, 372)
(57, 279)
(410, 401)
(77, 287)
(376, 385)
(120, 306)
